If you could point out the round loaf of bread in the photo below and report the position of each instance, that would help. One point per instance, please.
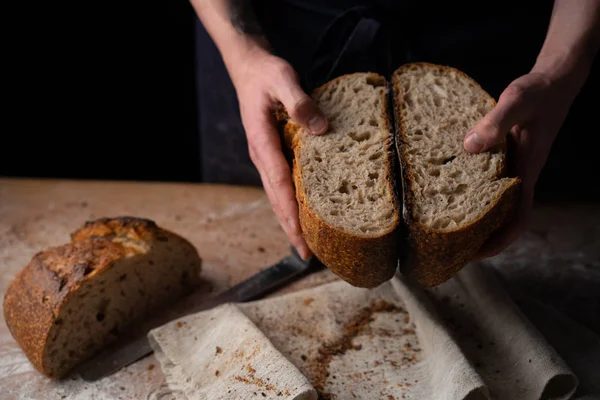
(72, 300)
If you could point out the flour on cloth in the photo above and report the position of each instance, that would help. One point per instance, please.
(220, 354)
(464, 339)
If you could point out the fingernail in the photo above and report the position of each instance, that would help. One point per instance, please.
(306, 254)
(473, 142)
(317, 123)
(303, 250)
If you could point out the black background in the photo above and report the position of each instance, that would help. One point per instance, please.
(101, 91)
(108, 91)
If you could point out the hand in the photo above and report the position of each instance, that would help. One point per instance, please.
(529, 114)
(262, 81)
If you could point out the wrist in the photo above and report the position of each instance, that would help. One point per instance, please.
(242, 51)
(568, 69)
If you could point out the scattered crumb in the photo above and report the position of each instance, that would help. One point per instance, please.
(217, 373)
(219, 350)
(252, 379)
(261, 249)
(179, 324)
(341, 346)
(150, 367)
(308, 300)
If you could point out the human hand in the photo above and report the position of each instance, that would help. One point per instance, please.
(262, 81)
(528, 115)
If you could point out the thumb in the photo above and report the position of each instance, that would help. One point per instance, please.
(512, 109)
(300, 107)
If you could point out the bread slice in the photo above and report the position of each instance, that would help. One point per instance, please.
(344, 180)
(453, 199)
(73, 299)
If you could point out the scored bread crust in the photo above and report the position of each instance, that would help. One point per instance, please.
(433, 256)
(36, 296)
(363, 261)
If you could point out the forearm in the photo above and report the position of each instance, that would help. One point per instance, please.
(234, 28)
(572, 41)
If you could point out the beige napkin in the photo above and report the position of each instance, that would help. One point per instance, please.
(221, 354)
(462, 340)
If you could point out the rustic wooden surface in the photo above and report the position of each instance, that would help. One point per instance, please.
(234, 230)
(237, 234)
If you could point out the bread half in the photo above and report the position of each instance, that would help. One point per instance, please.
(74, 299)
(453, 200)
(344, 180)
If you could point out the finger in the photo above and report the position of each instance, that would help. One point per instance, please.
(297, 240)
(270, 195)
(513, 108)
(276, 177)
(301, 107)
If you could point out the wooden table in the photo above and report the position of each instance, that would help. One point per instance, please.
(237, 234)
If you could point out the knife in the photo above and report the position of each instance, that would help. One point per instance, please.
(118, 356)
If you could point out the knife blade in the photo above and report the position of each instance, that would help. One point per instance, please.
(119, 356)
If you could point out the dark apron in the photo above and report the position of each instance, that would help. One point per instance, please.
(355, 41)
(326, 39)
(321, 42)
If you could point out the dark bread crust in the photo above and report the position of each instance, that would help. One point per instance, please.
(363, 261)
(434, 256)
(36, 296)
(124, 227)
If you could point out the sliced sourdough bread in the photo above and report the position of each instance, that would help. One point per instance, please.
(344, 180)
(72, 300)
(453, 200)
